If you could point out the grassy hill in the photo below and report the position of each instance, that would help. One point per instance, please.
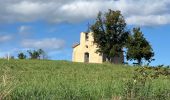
(62, 80)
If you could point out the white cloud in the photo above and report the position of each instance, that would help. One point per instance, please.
(80, 10)
(24, 29)
(136, 12)
(47, 44)
(5, 38)
(145, 12)
(25, 8)
(149, 20)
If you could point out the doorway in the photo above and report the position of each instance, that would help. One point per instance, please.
(86, 57)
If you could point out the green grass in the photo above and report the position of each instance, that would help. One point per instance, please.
(62, 80)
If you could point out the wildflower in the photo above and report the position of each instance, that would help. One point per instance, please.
(134, 81)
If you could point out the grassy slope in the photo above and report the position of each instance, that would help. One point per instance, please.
(65, 80)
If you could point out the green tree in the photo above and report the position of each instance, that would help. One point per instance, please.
(138, 48)
(33, 54)
(22, 56)
(110, 34)
(36, 54)
(42, 54)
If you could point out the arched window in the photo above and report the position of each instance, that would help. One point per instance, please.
(86, 57)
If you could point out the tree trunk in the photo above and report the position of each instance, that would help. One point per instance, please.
(108, 59)
(139, 62)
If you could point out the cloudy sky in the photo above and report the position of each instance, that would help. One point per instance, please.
(54, 25)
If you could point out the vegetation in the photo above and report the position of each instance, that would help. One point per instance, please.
(62, 80)
(36, 54)
(7, 82)
(141, 85)
(22, 56)
(138, 47)
(110, 33)
(33, 54)
(111, 36)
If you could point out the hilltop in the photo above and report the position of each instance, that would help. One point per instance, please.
(45, 79)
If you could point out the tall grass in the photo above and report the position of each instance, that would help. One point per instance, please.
(7, 83)
(62, 80)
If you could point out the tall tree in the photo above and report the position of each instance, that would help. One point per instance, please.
(138, 48)
(110, 33)
(36, 54)
(33, 54)
(42, 54)
(22, 56)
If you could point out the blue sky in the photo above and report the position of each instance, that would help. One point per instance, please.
(55, 25)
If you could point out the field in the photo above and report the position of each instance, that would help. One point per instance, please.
(63, 80)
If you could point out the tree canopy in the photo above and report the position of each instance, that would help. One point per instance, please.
(138, 47)
(36, 54)
(111, 37)
(21, 55)
(110, 33)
